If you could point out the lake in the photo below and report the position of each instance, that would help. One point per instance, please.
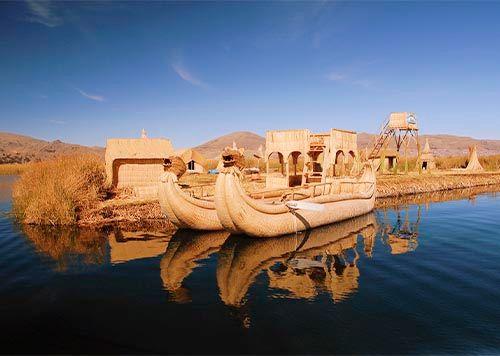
(417, 278)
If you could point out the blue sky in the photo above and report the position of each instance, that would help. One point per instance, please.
(82, 72)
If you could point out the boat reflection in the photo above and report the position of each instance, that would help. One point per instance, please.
(298, 266)
(184, 251)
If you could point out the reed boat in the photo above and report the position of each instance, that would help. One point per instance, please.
(185, 210)
(297, 209)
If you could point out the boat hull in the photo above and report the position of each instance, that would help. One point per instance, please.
(240, 214)
(183, 210)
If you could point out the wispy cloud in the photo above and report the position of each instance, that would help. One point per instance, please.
(91, 96)
(336, 77)
(187, 75)
(344, 78)
(57, 122)
(44, 12)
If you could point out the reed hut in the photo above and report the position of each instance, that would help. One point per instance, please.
(385, 160)
(473, 162)
(195, 162)
(136, 163)
(306, 157)
(426, 160)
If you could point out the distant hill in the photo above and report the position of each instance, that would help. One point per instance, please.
(18, 148)
(248, 140)
(442, 145)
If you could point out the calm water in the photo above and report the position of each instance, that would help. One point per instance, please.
(419, 279)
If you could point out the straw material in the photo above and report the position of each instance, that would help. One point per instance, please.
(233, 157)
(135, 162)
(342, 199)
(176, 165)
(473, 164)
(184, 210)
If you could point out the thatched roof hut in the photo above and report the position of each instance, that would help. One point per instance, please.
(195, 162)
(136, 162)
(426, 161)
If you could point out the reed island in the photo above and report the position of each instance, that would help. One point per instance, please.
(299, 180)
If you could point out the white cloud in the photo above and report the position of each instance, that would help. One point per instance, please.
(335, 76)
(91, 96)
(187, 76)
(343, 78)
(57, 122)
(43, 12)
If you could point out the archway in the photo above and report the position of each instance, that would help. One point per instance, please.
(339, 167)
(351, 160)
(295, 168)
(275, 163)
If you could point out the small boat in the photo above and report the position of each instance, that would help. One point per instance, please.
(185, 210)
(297, 209)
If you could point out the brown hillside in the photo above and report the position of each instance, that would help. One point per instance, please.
(248, 140)
(18, 149)
(443, 145)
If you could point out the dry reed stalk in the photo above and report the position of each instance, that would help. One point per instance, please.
(13, 168)
(390, 186)
(55, 192)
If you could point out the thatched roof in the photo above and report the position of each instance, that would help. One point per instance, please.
(133, 149)
(426, 154)
(137, 148)
(190, 154)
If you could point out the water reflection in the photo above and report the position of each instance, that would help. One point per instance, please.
(301, 266)
(131, 245)
(184, 251)
(68, 247)
(402, 233)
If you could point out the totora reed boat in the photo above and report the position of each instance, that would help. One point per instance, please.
(298, 209)
(321, 181)
(185, 210)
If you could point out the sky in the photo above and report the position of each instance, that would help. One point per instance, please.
(83, 72)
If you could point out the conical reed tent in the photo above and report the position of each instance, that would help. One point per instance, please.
(473, 164)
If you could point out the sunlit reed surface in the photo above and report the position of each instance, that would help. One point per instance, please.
(420, 278)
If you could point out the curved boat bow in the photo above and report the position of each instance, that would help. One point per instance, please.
(184, 210)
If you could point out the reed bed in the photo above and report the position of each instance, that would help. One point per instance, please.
(399, 185)
(13, 169)
(55, 192)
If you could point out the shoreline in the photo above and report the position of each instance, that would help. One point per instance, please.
(391, 191)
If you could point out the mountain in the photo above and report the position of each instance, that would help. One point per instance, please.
(248, 140)
(18, 148)
(441, 145)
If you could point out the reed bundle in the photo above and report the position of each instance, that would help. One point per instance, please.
(176, 165)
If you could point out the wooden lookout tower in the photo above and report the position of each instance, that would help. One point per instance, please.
(400, 126)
